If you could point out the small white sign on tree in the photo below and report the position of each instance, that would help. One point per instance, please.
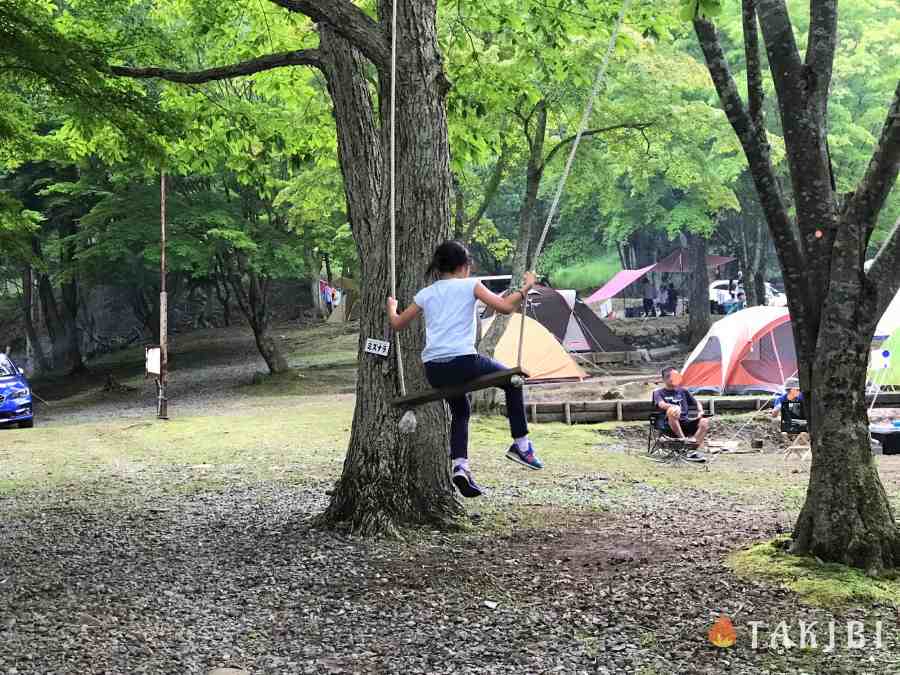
(377, 347)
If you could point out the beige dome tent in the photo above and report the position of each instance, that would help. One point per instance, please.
(543, 357)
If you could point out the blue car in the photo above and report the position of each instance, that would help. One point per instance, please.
(15, 396)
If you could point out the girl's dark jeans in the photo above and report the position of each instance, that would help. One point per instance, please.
(464, 369)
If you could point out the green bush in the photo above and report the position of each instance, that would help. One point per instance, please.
(587, 275)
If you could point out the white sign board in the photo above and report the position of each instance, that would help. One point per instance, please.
(377, 347)
(151, 360)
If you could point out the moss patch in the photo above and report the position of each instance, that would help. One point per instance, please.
(816, 583)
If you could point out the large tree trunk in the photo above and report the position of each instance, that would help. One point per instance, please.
(43, 365)
(269, 350)
(391, 480)
(699, 289)
(223, 295)
(846, 516)
(73, 361)
(753, 242)
(252, 293)
(55, 328)
(314, 265)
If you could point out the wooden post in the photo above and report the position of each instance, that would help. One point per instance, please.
(162, 409)
(567, 409)
(712, 407)
(619, 415)
(534, 412)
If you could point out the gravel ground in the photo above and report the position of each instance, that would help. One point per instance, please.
(161, 582)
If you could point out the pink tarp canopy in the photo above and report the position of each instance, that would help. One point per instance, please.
(619, 282)
(676, 262)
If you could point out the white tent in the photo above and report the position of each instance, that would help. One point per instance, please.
(890, 320)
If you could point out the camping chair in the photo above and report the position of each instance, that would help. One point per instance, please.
(793, 417)
(662, 444)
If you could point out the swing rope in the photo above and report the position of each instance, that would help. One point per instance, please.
(393, 188)
(585, 120)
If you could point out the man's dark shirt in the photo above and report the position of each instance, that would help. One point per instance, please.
(678, 396)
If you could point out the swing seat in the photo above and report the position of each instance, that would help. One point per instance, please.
(499, 379)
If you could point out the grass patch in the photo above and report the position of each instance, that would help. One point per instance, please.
(304, 440)
(818, 584)
(588, 274)
(335, 379)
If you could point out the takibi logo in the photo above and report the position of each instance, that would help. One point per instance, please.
(722, 633)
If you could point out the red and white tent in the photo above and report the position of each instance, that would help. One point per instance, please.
(747, 352)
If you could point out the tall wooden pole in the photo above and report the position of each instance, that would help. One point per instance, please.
(162, 410)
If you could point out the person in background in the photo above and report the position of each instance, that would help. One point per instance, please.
(326, 296)
(661, 298)
(672, 300)
(791, 393)
(738, 304)
(649, 295)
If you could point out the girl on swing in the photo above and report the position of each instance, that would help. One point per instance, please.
(450, 356)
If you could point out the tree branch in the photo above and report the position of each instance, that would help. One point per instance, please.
(885, 271)
(348, 21)
(755, 93)
(756, 150)
(594, 132)
(784, 57)
(881, 174)
(490, 190)
(301, 57)
(821, 43)
(761, 169)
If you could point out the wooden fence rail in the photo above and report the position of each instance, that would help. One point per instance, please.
(590, 412)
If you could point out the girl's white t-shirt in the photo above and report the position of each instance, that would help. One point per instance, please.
(449, 306)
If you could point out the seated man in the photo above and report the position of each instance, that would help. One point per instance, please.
(789, 407)
(791, 393)
(677, 402)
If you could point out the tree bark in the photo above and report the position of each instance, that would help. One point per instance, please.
(27, 309)
(700, 320)
(269, 350)
(251, 290)
(846, 517)
(223, 295)
(391, 480)
(71, 347)
(753, 242)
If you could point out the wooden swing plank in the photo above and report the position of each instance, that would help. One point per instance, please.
(497, 379)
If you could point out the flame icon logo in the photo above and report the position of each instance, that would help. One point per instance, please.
(722, 633)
